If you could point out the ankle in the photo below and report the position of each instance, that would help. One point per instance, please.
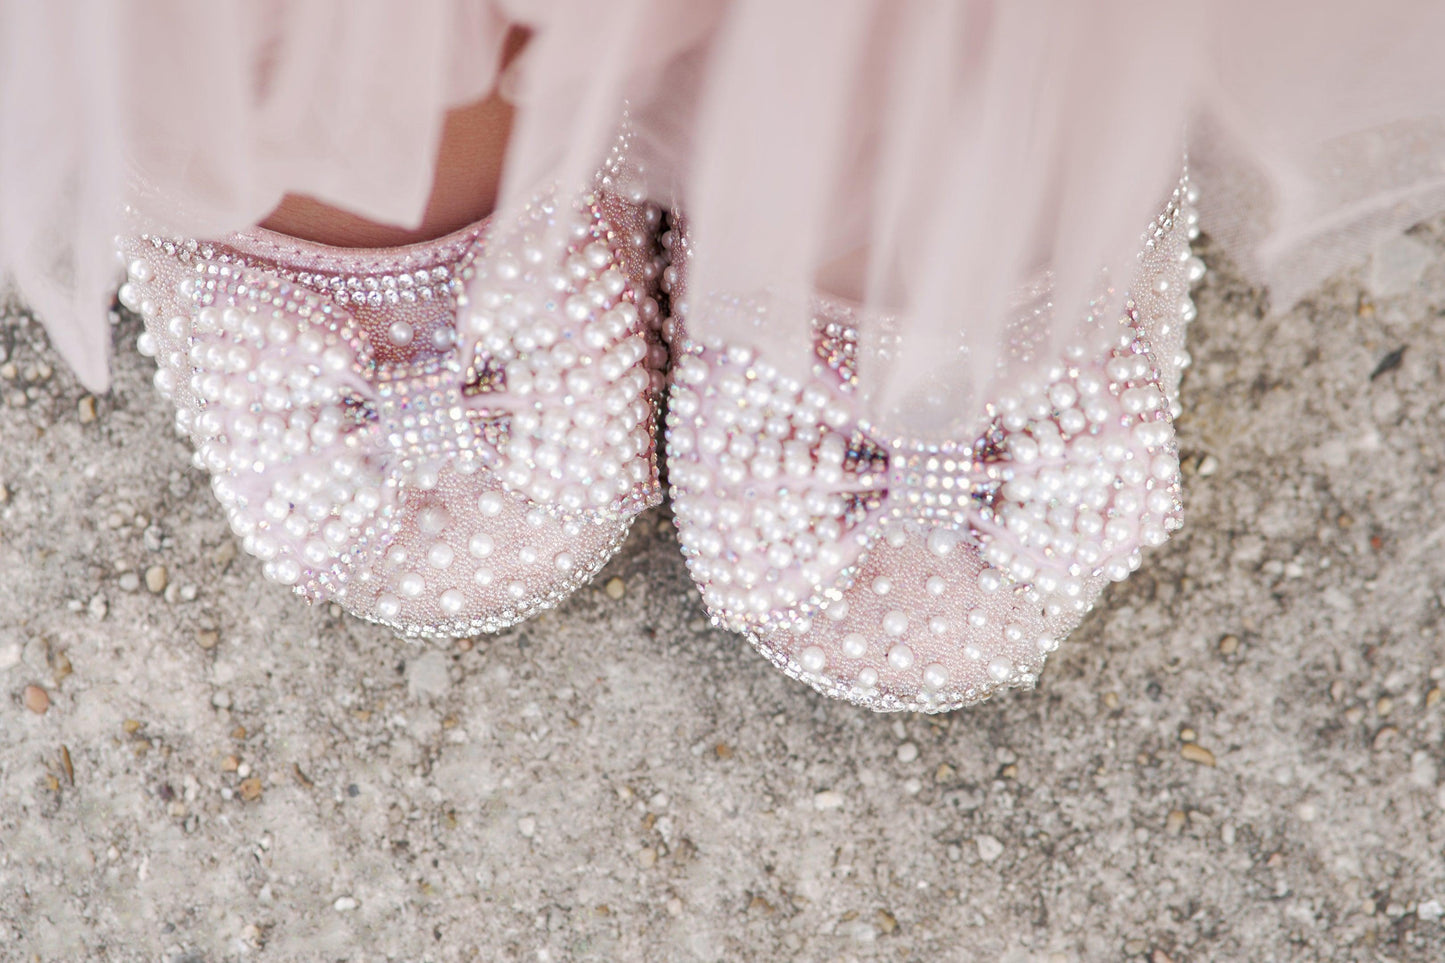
(464, 187)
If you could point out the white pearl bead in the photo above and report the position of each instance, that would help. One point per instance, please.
(854, 645)
(935, 676)
(1001, 669)
(286, 571)
(400, 333)
(452, 601)
(900, 657)
(813, 659)
(895, 623)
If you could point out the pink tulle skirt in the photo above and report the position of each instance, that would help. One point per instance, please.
(928, 159)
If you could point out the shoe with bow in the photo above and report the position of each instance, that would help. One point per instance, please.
(906, 576)
(444, 438)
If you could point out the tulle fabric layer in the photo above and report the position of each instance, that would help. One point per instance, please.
(930, 159)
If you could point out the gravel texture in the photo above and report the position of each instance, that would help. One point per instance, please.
(1236, 758)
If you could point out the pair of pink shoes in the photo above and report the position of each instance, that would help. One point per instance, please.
(449, 437)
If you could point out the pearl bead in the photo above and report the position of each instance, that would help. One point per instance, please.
(895, 623)
(440, 555)
(900, 657)
(813, 659)
(854, 645)
(935, 676)
(1000, 669)
(452, 601)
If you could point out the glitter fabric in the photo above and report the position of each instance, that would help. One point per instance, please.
(901, 575)
(444, 438)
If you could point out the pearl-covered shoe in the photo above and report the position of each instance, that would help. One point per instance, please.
(445, 437)
(905, 576)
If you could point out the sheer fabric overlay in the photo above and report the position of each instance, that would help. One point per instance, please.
(928, 160)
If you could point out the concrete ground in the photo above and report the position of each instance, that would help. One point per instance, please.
(1236, 758)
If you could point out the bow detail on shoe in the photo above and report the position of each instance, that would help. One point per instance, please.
(1067, 483)
(328, 399)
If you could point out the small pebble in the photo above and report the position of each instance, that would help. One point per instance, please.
(527, 826)
(129, 582)
(37, 700)
(907, 752)
(1384, 706)
(344, 904)
(1194, 752)
(1208, 465)
(1174, 822)
(647, 857)
(1423, 771)
(615, 588)
(828, 799)
(208, 638)
(1229, 645)
(989, 848)
(251, 789)
(156, 579)
(1430, 910)
(944, 773)
(98, 607)
(85, 410)
(221, 700)
(1384, 737)
(225, 553)
(1432, 698)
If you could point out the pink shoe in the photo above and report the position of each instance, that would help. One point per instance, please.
(903, 576)
(444, 438)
